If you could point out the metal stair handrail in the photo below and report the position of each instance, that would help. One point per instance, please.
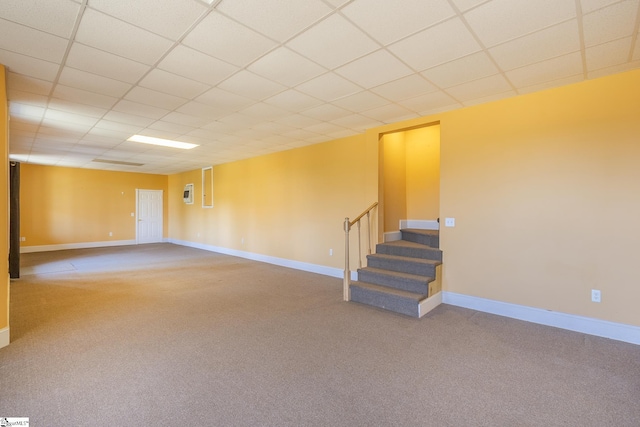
(347, 228)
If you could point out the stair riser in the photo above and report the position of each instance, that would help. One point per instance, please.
(434, 254)
(393, 303)
(419, 287)
(403, 266)
(433, 241)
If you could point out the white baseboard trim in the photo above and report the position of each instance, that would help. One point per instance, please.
(586, 325)
(392, 236)
(297, 265)
(422, 224)
(4, 337)
(85, 245)
(428, 304)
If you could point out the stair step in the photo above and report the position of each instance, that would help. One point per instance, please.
(425, 237)
(402, 281)
(409, 249)
(395, 300)
(421, 267)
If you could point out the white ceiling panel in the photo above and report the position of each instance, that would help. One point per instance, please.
(154, 98)
(201, 111)
(251, 86)
(75, 108)
(176, 128)
(293, 101)
(105, 64)
(126, 129)
(32, 99)
(608, 54)
(548, 43)
(388, 21)
(129, 119)
(499, 21)
(298, 121)
(188, 119)
(27, 41)
(361, 101)
(472, 67)
(489, 86)
(120, 38)
(286, 67)
(326, 112)
(83, 97)
(552, 69)
(591, 5)
(79, 79)
(137, 109)
(442, 43)
(173, 84)
(390, 113)
(464, 5)
(169, 18)
(264, 111)
(51, 16)
(357, 122)
(217, 97)
(197, 66)
(28, 66)
(406, 87)
(227, 40)
(325, 43)
(374, 69)
(284, 19)
(610, 23)
(28, 84)
(328, 87)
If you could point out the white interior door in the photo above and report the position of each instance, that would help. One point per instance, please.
(149, 216)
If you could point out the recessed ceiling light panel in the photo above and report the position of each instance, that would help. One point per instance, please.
(163, 142)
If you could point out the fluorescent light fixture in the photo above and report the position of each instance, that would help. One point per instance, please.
(163, 142)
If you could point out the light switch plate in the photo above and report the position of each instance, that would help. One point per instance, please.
(449, 222)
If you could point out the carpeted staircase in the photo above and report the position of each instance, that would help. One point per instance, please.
(397, 276)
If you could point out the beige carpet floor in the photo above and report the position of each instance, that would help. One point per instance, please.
(163, 335)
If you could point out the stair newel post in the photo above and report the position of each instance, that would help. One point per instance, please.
(347, 273)
(359, 247)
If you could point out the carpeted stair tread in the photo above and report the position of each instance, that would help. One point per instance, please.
(418, 283)
(406, 259)
(398, 274)
(409, 249)
(391, 291)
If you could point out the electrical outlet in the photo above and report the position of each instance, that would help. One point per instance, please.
(110, 234)
(23, 239)
(449, 222)
(595, 295)
(330, 252)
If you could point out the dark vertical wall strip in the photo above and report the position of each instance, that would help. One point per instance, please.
(14, 220)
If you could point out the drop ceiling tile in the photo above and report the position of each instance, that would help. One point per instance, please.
(608, 54)
(196, 66)
(325, 112)
(293, 101)
(325, 128)
(122, 128)
(636, 52)
(442, 43)
(92, 82)
(129, 119)
(374, 69)
(196, 109)
(83, 97)
(249, 85)
(228, 101)
(325, 43)
(105, 64)
(120, 38)
(25, 65)
(168, 18)
(137, 109)
(173, 84)
(388, 21)
(472, 67)
(361, 101)
(74, 108)
(64, 126)
(286, 67)
(389, 113)
(28, 84)
(264, 111)
(280, 20)
(300, 134)
(489, 98)
(548, 43)
(591, 5)
(430, 103)
(154, 98)
(615, 69)
(298, 121)
(551, 83)
(176, 128)
(481, 88)
(51, 16)
(25, 111)
(499, 21)
(610, 23)
(328, 87)
(357, 122)
(227, 40)
(27, 41)
(549, 70)
(273, 127)
(464, 5)
(406, 87)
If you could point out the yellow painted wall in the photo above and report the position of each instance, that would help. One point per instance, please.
(61, 205)
(423, 172)
(394, 180)
(289, 205)
(4, 203)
